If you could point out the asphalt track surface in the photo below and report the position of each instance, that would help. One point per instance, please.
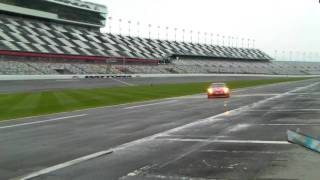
(46, 85)
(189, 137)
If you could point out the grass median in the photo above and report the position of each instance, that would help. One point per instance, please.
(40, 103)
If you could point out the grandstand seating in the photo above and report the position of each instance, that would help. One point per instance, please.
(177, 67)
(17, 68)
(33, 36)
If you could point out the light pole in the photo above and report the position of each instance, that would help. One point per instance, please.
(310, 56)
(175, 34)
(275, 54)
(167, 28)
(290, 55)
(205, 37)
(242, 42)
(110, 24)
(236, 41)
(149, 31)
(232, 41)
(158, 32)
(183, 30)
(138, 29)
(120, 20)
(129, 27)
(283, 55)
(297, 56)
(223, 40)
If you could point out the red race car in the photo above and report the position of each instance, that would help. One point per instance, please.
(218, 90)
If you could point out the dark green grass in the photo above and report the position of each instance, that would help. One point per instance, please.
(40, 103)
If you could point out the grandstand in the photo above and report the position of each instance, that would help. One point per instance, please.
(49, 39)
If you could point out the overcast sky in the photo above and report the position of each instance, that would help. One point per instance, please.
(285, 25)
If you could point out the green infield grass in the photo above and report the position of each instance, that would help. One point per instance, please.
(40, 103)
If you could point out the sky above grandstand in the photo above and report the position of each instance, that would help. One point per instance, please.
(282, 25)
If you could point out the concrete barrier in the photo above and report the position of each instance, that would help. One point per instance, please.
(102, 76)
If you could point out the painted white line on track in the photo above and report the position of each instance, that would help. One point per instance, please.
(239, 127)
(44, 121)
(254, 95)
(63, 165)
(305, 93)
(287, 124)
(152, 104)
(228, 141)
(236, 151)
(122, 82)
(68, 80)
(212, 119)
(283, 110)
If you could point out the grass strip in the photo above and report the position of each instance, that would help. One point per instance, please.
(19, 105)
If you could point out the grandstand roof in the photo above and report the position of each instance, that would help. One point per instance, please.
(75, 12)
(81, 4)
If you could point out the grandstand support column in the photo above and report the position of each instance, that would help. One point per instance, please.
(229, 40)
(191, 34)
(253, 43)
(107, 66)
(198, 37)
(124, 64)
(211, 38)
(218, 39)
(248, 43)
